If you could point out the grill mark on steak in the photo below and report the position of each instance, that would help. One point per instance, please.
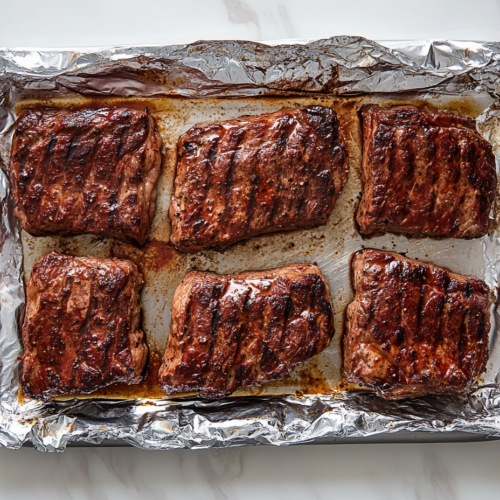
(52, 145)
(302, 187)
(284, 203)
(464, 334)
(232, 188)
(89, 171)
(450, 162)
(226, 340)
(256, 326)
(121, 145)
(411, 178)
(254, 186)
(256, 178)
(421, 344)
(278, 171)
(81, 328)
(72, 148)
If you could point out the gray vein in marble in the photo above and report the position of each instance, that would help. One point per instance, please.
(219, 467)
(239, 12)
(378, 472)
(439, 476)
(287, 21)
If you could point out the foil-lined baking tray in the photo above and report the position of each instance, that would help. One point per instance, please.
(211, 81)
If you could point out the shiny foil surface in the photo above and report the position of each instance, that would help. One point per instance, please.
(289, 72)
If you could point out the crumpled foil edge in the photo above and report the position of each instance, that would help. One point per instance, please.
(339, 65)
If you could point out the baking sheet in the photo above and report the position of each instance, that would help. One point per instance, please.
(330, 246)
(313, 396)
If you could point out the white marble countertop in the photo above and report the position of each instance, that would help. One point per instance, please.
(355, 472)
(397, 471)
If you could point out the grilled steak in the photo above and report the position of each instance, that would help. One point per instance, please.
(89, 171)
(254, 175)
(243, 330)
(81, 327)
(414, 328)
(424, 173)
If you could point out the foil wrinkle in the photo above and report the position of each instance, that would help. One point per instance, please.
(341, 66)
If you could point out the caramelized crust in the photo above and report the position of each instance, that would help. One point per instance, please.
(242, 330)
(258, 174)
(413, 328)
(81, 327)
(424, 173)
(88, 171)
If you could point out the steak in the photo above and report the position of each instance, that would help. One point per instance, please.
(424, 173)
(413, 328)
(81, 326)
(88, 171)
(242, 330)
(254, 175)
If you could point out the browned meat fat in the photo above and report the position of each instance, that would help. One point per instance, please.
(413, 328)
(424, 173)
(81, 326)
(242, 330)
(258, 174)
(87, 171)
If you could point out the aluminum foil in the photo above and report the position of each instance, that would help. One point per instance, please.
(342, 66)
